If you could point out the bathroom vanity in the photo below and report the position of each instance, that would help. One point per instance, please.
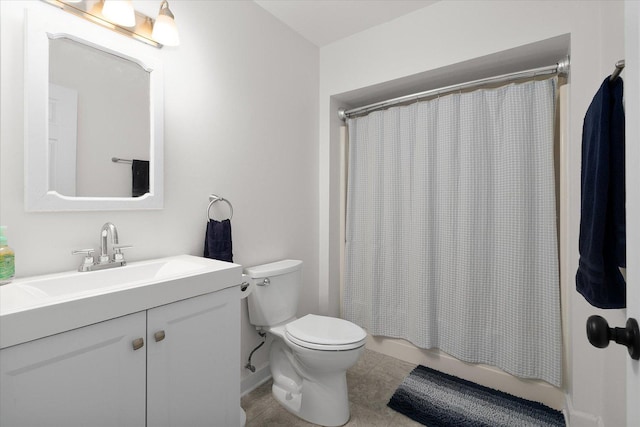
(154, 343)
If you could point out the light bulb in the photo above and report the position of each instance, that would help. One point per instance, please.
(119, 12)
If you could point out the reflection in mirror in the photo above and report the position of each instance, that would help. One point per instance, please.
(91, 95)
(99, 109)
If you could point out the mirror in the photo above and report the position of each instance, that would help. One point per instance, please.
(89, 91)
(94, 118)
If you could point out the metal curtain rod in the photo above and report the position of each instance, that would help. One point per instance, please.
(561, 68)
(617, 71)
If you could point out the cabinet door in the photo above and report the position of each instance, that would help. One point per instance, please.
(193, 370)
(89, 376)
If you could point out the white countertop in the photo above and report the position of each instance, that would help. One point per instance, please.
(39, 306)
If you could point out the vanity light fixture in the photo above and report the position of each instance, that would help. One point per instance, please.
(120, 16)
(119, 12)
(165, 30)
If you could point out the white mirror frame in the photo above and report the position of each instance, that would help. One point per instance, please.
(39, 28)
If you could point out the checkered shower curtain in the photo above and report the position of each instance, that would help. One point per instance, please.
(451, 237)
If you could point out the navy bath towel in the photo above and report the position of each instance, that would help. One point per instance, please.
(217, 241)
(602, 225)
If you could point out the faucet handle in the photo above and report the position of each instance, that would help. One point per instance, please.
(117, 252)
(87, 252)
(88, 258)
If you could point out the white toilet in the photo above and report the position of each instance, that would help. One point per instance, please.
(310, 355)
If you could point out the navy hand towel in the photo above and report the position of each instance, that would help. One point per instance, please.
(602, 223)
(140, 174)
(217, 241)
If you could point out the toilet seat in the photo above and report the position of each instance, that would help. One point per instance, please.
(325, 333)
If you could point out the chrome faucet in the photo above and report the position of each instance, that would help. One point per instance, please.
(89, 263)
(107, 229)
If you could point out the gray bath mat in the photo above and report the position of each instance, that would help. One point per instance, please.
(436, 399)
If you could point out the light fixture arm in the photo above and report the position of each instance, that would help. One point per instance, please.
(164, 9)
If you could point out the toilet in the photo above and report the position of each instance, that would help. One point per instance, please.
(309, 355)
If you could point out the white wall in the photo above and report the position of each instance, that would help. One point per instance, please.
(241, 108)
(428, 44)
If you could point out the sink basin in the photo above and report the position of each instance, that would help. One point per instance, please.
(72, 283)
(18, 296)
(39, 306)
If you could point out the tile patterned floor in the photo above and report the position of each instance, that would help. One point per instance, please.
(371, 383)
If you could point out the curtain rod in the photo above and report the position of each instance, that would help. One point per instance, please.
(560, 68)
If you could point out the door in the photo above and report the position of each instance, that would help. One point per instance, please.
(632, 146)
(89, 376)
(193, 361)
(63, 119)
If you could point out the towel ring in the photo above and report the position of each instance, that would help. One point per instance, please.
(214, 198)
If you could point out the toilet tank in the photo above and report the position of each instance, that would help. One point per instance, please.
(277, 301)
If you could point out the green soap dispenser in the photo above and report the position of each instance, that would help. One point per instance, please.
(7, 259)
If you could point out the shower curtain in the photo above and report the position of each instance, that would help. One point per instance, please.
(451, 237)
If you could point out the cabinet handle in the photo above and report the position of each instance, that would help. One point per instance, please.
(138, 343)
(159, 336)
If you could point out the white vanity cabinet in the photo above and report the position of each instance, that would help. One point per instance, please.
(186, 373)
(193, 362)
(85, 377)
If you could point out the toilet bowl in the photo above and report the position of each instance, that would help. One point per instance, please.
(309, 373)
(309, 355)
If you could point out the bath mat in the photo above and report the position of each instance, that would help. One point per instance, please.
(435, 399)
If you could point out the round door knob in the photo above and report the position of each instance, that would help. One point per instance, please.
(599, 334)
(598, 331)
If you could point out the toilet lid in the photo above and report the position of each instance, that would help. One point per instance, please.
(325, 331)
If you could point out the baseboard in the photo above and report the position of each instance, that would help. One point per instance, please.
(255, 379)
(575, 418)
(488, 376)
